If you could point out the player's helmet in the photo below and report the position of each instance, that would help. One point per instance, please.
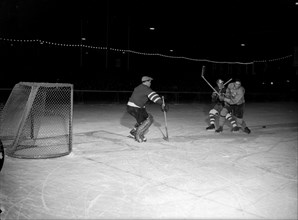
(238, 81)
(146, 78)
(219, 81)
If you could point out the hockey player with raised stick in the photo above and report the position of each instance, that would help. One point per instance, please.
(219, 108)
(234, 99)
(136, 106)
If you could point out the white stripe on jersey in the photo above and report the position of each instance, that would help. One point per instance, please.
(153, 96)
(133, 104)
(151, 93)
(157, 99)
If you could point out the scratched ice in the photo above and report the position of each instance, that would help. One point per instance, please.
(196, 174)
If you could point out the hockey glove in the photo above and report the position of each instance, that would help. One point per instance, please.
(164, 107)
(221, 97)
(214, 97)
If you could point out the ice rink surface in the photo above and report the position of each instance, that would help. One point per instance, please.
(195, 175)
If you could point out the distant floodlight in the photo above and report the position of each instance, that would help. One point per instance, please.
(242, 45)
(271, 83)
(83, 38)
(171, 50)
(151, 28)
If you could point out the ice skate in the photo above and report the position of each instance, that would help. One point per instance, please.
(235, 129)
(247, 130)
(218, 130)
(141, 139)
(211, 127)
(144, 139)
(133, 132)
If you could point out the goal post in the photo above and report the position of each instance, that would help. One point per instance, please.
(36, 121)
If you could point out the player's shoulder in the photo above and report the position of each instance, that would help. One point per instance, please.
(230, 85)
(145, 88)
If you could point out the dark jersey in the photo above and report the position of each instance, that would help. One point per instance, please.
(142, 94)
(221, 91)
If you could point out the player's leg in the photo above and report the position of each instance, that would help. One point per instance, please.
(233, 122)
(1, 155)
(212, 117)
(143, 128)
(222, 117)
(133, 131)
(243, 125)
(134, 111)
(239, 112)
(213, 114)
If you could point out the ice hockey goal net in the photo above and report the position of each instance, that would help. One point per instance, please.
(36, 120)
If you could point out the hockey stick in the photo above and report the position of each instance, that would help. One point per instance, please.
(166, 124)
(203, 71)
(202, 75)
(227, 81)
(2, 155)
(225, 84)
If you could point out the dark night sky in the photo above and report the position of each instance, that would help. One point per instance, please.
(196, 29)
(186, 25)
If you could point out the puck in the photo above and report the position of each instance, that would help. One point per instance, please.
(263, 126)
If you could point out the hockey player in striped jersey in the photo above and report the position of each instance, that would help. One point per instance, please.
(136, 106)
(219, 108)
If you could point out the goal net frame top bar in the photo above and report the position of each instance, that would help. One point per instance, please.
(43, 84)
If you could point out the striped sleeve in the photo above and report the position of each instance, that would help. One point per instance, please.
(154, 97)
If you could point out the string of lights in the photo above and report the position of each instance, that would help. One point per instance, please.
(137, 52)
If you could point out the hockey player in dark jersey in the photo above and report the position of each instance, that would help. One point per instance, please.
(219, 108)
(136, 106)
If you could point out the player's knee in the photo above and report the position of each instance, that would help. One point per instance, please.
(223, 113)
(213, 112)
(228, 116)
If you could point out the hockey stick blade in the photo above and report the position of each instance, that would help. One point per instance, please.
(164, 137)
(132, 137)
(202, 75)
(228, 81)
(203, 70)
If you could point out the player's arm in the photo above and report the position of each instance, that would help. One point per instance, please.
(235, 99)
(214, 95)
(154, 97)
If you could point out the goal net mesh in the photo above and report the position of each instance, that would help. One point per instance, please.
(36, 121)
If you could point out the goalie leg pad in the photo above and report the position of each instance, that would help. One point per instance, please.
(143, 128)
